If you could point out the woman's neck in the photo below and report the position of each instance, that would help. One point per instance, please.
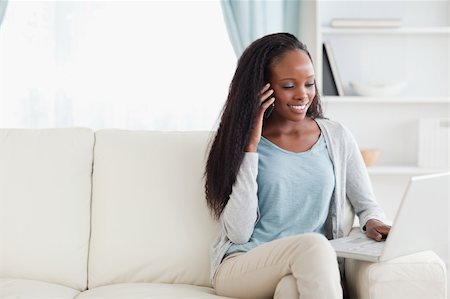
(275, 126)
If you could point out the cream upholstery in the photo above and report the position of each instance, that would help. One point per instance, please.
(45, 197)
(123, 215)
(148, 203)
(31, 289)
(421, 275)
(149, 290)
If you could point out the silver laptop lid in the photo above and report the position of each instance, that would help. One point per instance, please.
(422, 220)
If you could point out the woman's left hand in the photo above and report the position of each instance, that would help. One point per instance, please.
(377, 230)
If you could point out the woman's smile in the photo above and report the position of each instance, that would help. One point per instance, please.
(299, 108)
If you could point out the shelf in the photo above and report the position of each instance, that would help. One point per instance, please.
(401, 30)
(402, 170)
(393, 100)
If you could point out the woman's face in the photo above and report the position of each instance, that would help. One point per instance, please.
(292, 79)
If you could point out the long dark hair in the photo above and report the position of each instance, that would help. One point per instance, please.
(228, 148)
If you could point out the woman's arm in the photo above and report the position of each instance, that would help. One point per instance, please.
(359, 190)
(241, 212)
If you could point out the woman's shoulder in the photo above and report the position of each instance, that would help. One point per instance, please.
(332, 127)
(336, 134)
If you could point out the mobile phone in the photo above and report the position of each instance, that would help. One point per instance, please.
(270, 108)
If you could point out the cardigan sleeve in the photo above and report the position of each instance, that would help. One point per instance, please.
(241, 212)
(358, 185)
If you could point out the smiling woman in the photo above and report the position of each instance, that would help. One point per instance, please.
(279, 184)
(135, 65)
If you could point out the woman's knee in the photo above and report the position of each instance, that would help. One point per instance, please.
(317, 246)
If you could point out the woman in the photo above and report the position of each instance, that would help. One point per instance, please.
(277, 177)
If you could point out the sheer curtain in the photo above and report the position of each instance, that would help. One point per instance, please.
(3, 4)
(162, 65)
(249, 20)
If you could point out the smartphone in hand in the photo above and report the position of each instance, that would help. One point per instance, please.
(270, 108)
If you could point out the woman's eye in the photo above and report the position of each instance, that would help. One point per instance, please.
(288, 86)
(309, 84)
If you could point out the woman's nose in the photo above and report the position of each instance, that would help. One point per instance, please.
(301, 93)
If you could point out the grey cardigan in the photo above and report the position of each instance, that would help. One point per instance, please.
(352, 183)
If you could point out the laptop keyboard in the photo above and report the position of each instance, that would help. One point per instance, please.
(359, 244)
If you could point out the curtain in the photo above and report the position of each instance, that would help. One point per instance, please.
(249, 20)
(3, 4)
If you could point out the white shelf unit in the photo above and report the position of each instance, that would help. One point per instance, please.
(417, 52)
(393, 100)
(402, 170)
(400, 30)
(418, 48)
(386, 56)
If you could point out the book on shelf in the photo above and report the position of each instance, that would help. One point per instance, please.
(366, 23)
(434, 143)
(332, 85)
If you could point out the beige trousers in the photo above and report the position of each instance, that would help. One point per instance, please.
(302, 266)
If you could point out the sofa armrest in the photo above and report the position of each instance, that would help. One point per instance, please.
(416, 276)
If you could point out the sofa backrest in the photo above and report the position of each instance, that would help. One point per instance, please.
(150, 222)
(45, 191)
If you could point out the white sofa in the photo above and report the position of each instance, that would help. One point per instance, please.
(122, 214)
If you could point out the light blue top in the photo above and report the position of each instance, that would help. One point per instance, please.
(294, 192)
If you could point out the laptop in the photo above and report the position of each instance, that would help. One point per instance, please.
(421, 223)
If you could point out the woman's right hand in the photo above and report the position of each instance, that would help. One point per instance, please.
(255, 137)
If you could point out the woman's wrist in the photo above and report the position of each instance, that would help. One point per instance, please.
(251, 149)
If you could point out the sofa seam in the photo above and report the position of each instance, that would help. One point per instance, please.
(370, 279)
(90, 212)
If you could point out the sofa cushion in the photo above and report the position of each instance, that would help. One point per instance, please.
(45, 192)
(33, 289)
(149, 291)
(150, 222)
(417, 276)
